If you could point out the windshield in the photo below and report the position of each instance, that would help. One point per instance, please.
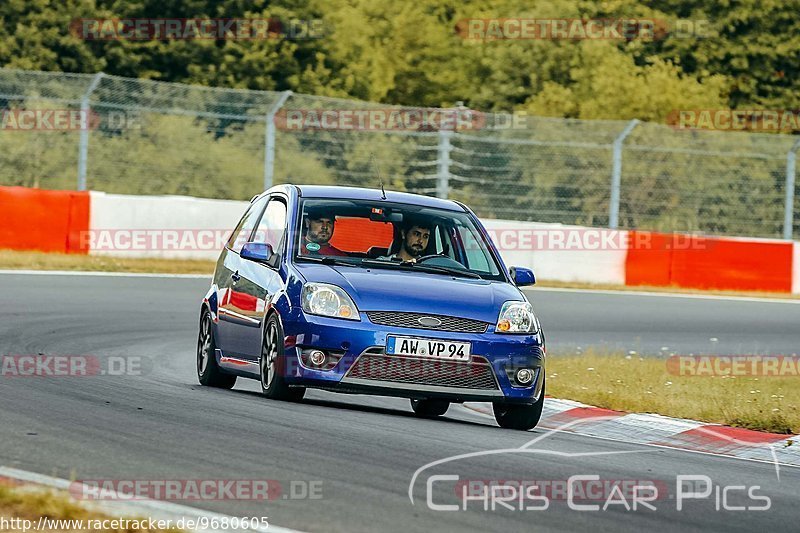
(394, 236)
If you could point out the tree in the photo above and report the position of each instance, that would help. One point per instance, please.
(605, 83)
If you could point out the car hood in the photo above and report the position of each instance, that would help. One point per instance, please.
(381, 289)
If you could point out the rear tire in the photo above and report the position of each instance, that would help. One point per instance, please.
(208, 371)
(430, 408)
(273, 365)
(519, 416)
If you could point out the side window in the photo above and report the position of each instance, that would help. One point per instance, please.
(272, 226)
(246, 225)
(476, 255)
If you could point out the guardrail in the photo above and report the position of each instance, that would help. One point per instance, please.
(182, 227)
(134, 136)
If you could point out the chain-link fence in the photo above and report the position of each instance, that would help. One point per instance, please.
(144, 137)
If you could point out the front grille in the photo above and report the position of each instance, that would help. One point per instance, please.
(374, 365)
(411, 320)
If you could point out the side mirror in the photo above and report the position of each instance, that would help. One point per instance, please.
(260, 253)
(522, 276)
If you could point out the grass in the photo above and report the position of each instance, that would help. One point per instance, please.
(15, 260)
(33, 503)
(643, 385)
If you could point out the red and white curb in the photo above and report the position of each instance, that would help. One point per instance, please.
(657, 430)
(133, 509)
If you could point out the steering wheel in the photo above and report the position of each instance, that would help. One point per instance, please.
(430, 256)
(440, 259)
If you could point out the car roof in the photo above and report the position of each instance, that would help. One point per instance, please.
(359, 193)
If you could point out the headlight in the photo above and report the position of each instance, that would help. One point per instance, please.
(517, 317)
(328, 300)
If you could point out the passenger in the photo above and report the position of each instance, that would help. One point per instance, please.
(318, 229)
(416, 234)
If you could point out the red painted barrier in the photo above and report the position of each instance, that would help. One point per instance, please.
(41, 220)
(710, 263)
(53, 221)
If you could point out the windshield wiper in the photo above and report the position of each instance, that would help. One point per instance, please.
(447, 270)
(404, 265)
(409, 265)
(326, 260)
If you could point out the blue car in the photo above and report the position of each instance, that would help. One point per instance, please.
(370, 292)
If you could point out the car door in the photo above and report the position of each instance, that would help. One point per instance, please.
(259, 282)
(230, 297)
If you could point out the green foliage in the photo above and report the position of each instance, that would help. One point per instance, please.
(743, 54)
(166, 154)
(754, 43)
(605, 83)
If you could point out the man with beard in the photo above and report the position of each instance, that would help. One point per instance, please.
(317, 232)
(416, 234)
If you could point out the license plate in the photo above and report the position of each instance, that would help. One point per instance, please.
(456, 351)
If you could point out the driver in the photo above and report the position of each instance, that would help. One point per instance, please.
(416, 234)
(318, 229)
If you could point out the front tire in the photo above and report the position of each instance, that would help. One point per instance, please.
(519, 416)
(430, 408)
(208, 371)
(273, 364)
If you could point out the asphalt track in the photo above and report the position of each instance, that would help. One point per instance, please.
(363, 450)
(666, 324)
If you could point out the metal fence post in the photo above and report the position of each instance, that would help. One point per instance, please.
(83, 143)
(788, 213)
(616, 175)
(443, 174)
(269, 141)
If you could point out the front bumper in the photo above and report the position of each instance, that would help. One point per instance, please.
(364, 368)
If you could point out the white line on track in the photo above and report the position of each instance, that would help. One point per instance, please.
(135, 508)
(667, 295)
(103, 274)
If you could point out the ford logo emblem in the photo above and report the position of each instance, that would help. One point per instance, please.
(429, 321)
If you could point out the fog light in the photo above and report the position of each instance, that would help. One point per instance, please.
(317, 357)
(524, 376)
